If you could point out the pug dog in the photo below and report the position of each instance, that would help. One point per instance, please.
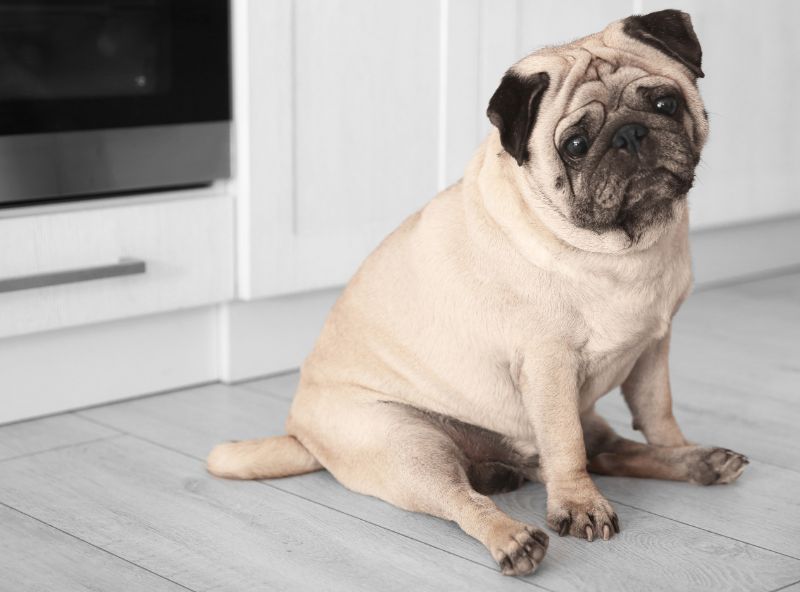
(467, 353)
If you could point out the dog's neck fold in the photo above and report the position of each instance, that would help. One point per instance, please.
(499, 195)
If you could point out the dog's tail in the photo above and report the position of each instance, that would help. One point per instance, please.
(264, 458)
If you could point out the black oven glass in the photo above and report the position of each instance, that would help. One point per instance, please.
(69, 65)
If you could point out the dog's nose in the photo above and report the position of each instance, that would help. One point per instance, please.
(629, 136)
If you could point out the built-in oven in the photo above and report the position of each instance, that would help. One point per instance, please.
(109, 97)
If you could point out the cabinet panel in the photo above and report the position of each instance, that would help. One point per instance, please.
(337, 123)
(366, 112)
(186, 245)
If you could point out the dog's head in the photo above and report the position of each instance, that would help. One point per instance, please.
(606, 131)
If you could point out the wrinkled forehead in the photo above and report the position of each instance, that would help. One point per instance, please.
(603, 82)
(598, 85)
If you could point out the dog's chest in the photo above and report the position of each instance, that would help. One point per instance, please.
(618, 326)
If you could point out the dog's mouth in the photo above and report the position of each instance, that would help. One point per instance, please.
(649, 200)
(633, 203)
(650, 187)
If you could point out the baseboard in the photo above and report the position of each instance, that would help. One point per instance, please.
(54, 371)
(272, 335)
(731, 253)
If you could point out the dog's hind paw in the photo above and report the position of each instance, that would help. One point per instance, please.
(716, 466)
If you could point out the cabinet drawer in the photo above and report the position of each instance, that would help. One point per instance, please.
(114, 262)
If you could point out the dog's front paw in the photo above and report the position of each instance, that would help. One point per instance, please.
(585, 514)
(518, 548)
(715, 466)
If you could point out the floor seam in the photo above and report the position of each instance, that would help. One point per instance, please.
(63, 447)
(294, 370)
(75, 410)
(748, 278)
(100, 423)
(269, 393)
(704, 529)
(77, 538)
(786, 586)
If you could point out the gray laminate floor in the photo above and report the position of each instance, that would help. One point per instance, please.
(117, 498)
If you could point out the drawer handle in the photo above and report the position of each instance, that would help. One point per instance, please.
(125, 266)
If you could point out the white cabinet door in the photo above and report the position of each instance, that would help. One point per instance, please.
(751, 58)
(337, 133)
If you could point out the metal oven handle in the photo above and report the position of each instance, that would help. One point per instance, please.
(125, 266)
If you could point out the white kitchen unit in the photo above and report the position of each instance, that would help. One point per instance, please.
(349, 115)
(67, 343)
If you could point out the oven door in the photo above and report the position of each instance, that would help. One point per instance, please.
(106, 96)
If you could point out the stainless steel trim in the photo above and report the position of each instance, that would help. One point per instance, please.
(125, 266)
(36, 167)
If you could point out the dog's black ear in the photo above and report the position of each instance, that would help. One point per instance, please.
(513, 108)
(671, 32)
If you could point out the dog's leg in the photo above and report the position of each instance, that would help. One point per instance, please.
(407, 459)
(549, 392)
(649, 397)
(647, 392)
(611, 454)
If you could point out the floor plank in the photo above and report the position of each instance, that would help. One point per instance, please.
(778, 288)
(743, 337)
(35, 556)
(761, 508)
(160, 510)
(192, 421)
(37, 435)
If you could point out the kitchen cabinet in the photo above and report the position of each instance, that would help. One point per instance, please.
(181, 246)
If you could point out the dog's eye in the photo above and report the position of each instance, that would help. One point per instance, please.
(576, 146)
(666, 105)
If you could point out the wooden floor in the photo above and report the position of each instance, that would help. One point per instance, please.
(117, 498)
